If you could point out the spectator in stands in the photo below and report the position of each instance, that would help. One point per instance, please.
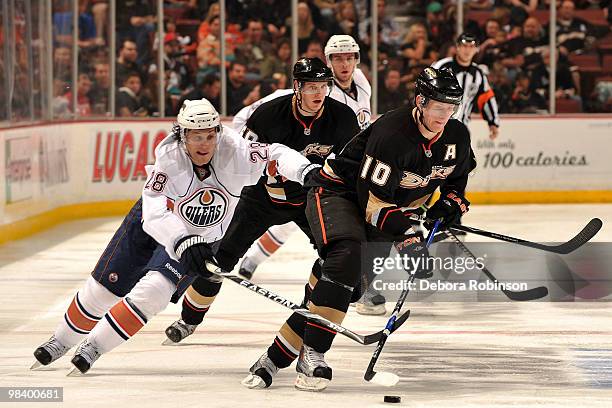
(99, 9)
(126, 62)
(282, 80)
(479, 4)
(530, 48)
(238, 91)
(495, 40)
(280, 62)
(62, 63)
(416, 49)
(501, 85)
(346, 18)
(130, 101)
(392, 95)
(83, 102)
(209, 88)
(390, 32)
(179, 76)
(273, 13)
(255, 48)
(99, 92)
(60, 104)
(524, 97)
(136, 20)
(438, 30)
(314, 50)
(572, 32)
(306, 28)
(208, 52)
(204, 29)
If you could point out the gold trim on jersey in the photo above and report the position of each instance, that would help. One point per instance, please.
(329, 313)
(199, 300)
(374, 206)
(329, 171)
(276, 192)
(312, 280)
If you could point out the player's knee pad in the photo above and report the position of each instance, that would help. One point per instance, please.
(343, 262)
(95, 298)
(151, 294)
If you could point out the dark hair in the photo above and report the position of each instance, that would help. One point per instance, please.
(130, 75)
(124, 41)
(208, 80)
(237, 62)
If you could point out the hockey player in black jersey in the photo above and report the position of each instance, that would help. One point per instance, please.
(365, 194)
(307, 121)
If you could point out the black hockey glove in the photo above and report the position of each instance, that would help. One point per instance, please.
(413, 250)
(448, 209)
(192, 252)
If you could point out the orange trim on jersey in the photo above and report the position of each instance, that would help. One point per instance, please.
(321, 215)
(286, 202)
(320, 327)
(483, 98)
(385, 217)
(126, 318)
(78, 319)
(268, 243)
(329, 177)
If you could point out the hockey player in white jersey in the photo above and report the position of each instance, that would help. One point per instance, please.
(186, 206)
(352, 88)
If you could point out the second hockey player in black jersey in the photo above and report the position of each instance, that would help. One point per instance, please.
(307, 121)
(365, 194)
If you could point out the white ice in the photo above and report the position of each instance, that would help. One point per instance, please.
(447, 354)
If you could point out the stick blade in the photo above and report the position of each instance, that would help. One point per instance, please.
(581, 238)
(530, 294)
(385, 379)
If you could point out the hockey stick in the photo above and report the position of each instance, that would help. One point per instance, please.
(365, 340)
(579, 240)
(530, 294)
(388, 379)
(584, 236)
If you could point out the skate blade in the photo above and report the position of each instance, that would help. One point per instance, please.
(75, 372)
(385, 379)
(168, 342)
(36, 365)
(313, 384)
(253, 382)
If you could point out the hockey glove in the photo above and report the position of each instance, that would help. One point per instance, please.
(413, 250)
(448, 209)
(192, 252)
(308, 173)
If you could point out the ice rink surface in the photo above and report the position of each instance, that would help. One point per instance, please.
(447, 354)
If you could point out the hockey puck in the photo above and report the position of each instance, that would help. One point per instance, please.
(393, 399)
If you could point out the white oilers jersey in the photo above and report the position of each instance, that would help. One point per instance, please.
(361, 105)
(245, 113)
(176, 203)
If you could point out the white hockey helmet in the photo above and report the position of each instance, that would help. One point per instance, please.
(340, 44)
(198, 114)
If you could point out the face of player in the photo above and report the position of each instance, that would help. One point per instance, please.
(201, 144)
(436, 114)
(313, 95)
(343, 66)
(465, 52)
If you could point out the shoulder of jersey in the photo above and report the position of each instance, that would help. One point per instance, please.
(170, 156)
(458, 128)
(272, 107)
(361, 81)
(338, 107)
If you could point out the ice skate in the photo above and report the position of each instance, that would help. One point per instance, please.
(48, 352)
(313, 372)
(84, 357)
(261, 373)
(177, 332)
(372, 303)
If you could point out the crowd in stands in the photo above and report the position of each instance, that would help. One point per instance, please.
(514, 48)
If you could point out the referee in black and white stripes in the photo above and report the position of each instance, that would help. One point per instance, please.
(474, 82)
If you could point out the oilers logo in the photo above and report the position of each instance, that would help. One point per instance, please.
(205, 208)
(363, 118)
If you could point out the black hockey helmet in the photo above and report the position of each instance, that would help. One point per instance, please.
(312, 70)
(440, 85)
(468, 38)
